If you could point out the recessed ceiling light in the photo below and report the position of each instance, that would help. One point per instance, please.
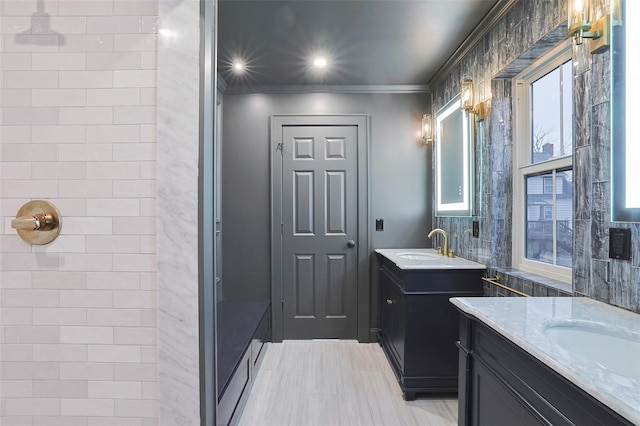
(238, 66)
(320, 62)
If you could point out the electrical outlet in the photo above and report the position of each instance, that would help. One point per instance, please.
(379, 224)
(475, 229)
(620, 243)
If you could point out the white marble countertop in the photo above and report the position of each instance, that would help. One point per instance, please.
(526, 322)
(421, 258)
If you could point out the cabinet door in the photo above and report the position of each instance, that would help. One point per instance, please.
(392, 316)
(495, 404)
(397, 332)
(431, 330)
(385, 304)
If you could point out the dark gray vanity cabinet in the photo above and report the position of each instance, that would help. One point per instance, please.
(503, 385)
(418, 326)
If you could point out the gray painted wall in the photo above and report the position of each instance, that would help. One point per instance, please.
(400, 182)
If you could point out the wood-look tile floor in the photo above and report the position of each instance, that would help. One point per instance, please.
(326, 382)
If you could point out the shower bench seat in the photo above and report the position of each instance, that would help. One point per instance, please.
(244, 326)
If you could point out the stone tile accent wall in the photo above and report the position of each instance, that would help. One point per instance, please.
(525, 33)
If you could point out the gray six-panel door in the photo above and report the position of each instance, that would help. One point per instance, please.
(319, 231)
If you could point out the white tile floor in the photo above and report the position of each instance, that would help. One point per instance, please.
(314, 383)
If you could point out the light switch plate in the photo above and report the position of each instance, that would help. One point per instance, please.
(475, 229)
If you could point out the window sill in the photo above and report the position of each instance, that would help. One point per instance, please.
(533, 284)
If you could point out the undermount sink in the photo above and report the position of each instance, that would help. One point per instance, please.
(415, 255)
(423, 258)
(616, 350)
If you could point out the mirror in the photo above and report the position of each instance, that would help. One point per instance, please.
(625, 197)
(454, 164)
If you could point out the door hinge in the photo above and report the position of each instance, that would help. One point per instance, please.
(282, 305)
(280, 147)
(282, 228)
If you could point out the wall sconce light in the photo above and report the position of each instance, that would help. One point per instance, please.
(466, 98)
(427, 133)
(579, 25)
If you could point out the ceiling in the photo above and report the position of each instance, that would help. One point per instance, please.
(366, 42)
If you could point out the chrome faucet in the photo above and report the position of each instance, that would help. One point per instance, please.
(446, 239)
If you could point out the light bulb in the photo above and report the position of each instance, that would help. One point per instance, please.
(320, 62)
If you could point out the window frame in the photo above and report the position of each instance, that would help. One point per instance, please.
(523, 167)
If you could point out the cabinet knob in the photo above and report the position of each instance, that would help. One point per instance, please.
(389, 302)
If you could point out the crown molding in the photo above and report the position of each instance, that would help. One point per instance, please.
(497, 12)
(335, 89)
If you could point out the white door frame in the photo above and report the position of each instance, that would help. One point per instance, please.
(364, 250)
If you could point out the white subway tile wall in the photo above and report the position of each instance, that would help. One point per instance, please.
(78, 328)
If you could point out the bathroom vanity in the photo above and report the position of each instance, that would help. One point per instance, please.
(560, 361)
(418, 326)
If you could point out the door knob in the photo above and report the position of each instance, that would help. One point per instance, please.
(351, 244)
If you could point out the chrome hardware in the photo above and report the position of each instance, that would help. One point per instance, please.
(351, 244)
(37, 222)
(389, 302)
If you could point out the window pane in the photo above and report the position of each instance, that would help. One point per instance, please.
(545, 116)
(539, 237)
(551, 115)
(546, 213)
(564, 218)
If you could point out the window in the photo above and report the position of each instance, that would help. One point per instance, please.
(547, 185)
(543, 169)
